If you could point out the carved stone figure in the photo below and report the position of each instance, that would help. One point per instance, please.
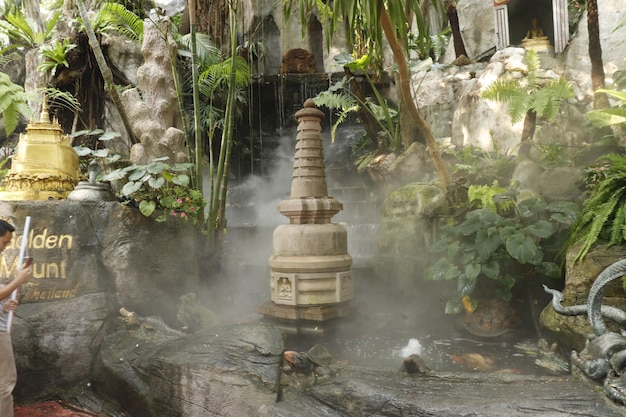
(298, 61)
(604, 355)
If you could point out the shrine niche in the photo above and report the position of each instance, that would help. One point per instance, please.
(298, 61)
(542, 25)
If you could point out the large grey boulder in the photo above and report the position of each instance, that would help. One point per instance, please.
(224, 371)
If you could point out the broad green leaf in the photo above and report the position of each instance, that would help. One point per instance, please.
(147, 207)
(472, 270)
(507, 231)
(607, 117)
(465, 285)
(620, 95)
(156, 182)
(542, 229)
(181, 179)
(471, 225)
(521, 247)
(156, 167)
(491, 269)
(453, 307)
(137, 174)
(563, 206)
(114, 175)
(109, 136)
(131, 187)
(442, 270)
(82, 150)
(100, 153)
(487, 242)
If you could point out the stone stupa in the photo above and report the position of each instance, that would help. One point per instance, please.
(310, 267)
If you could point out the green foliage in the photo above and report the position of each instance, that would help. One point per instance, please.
(340, 97)
(479, 166)
(23, 32)
(13, 103)
(362, 19)
(116, 18)
(496, 251)
(603, 218)
(532, 94)
(55, 55)
(552, 155)
(487, 196)
(612, 116)
(160, 186)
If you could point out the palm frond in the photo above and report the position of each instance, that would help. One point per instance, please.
(116, 17)
(206, 51)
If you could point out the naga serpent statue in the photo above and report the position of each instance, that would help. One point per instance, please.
(604, 355)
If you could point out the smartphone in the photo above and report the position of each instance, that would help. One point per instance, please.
(28, 261)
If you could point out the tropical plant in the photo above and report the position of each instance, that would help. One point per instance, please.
(376, 19)
(603, 216)
(116, 18)
(209, 83)
(160, 186)
(494, 252)
(216, 217)
(480, 166)
(340, 96)
(55, 54)
(530, 98)
(13, 103)
(23, 32)
(615, 116)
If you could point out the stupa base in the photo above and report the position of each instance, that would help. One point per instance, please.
(313, 319)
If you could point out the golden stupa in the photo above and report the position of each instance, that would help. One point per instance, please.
(45, 166)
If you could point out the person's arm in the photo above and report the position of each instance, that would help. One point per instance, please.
(21, 276)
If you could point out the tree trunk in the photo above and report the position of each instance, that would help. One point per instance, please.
(601, 100)
(212, 16)
(106, 72)
(528, 133)
(405, 90)
(33, 11)
(453, 18)
(372, 128)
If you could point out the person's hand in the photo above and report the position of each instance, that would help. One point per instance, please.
(9, 305)
(23, 275)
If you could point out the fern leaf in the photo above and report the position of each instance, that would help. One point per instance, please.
(592, 233)
(511, 93)
(617, 228)
(123, 21)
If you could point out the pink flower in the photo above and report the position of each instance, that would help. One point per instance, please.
(173, 213)
(179, 201)
(182, 214)
(192, 209)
